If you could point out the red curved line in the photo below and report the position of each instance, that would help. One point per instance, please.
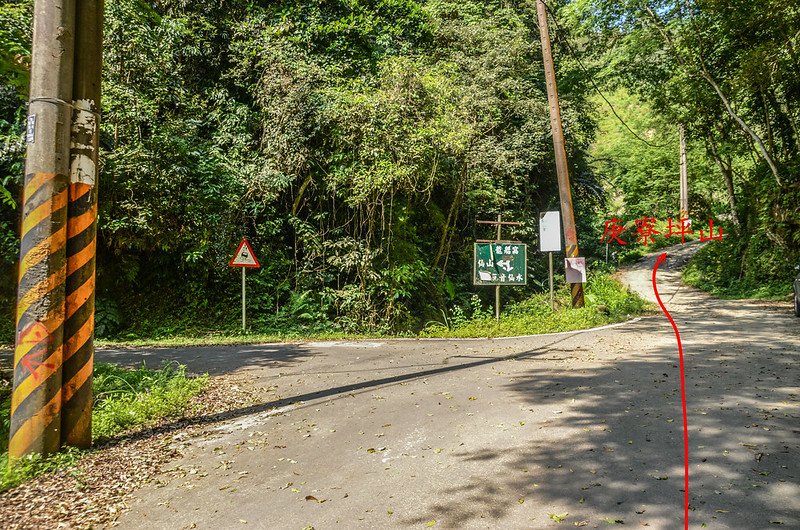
(661, 260)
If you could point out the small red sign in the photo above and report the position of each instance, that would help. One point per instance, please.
(244, 257)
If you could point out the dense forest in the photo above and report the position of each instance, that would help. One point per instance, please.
(357, 142)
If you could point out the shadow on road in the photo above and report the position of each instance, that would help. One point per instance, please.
(616, 451)
(336, 392)
(214, 360)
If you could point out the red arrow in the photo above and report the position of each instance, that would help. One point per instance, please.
(38, 336)
(29, 362)
(661, 260)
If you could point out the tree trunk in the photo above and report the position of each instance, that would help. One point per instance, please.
(452, 216)
(727, 174)
(757, 139)
(705, 75)
(770, 135)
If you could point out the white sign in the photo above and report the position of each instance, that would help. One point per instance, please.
(30, 133)
(550, 232)
(575, 269)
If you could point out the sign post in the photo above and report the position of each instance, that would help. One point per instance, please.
(499, 263)
(550, 241)
(499, 224)
(552, 297)
(244, 258)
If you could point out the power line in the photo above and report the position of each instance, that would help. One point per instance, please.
(594, 85)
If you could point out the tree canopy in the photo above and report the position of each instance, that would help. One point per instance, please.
(356, 143)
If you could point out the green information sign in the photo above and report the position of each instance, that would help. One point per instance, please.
(500, 263)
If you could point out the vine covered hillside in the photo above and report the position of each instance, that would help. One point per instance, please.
(355, 143)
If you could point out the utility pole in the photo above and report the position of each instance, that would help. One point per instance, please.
(76, 411)
(567, 215)
(38, 355)
(684, 207)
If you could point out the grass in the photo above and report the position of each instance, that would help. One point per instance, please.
(125, 399)
(607, 302)
(732, 270)
(227, 339)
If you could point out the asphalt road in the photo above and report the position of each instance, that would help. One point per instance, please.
(510, 433)
(507, 433)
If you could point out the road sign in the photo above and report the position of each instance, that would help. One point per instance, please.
(500, 263)
(244, 257)
(550, 231)
(575, 269)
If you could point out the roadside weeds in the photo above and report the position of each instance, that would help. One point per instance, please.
(92, 492)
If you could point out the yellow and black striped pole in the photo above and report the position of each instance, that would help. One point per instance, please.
(36, 398)
(76, 413)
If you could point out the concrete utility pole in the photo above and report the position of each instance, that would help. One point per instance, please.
(567, 215)
(51, 404)
(76, 412)
(684, 207)
(36, 398)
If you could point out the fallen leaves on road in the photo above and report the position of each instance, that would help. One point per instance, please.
(558, 517)
(312, 498)
(93, 493)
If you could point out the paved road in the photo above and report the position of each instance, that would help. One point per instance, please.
(501, 433)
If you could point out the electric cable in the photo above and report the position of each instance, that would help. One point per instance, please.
(591, 80)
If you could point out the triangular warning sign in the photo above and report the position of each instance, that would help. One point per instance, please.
(244, 256)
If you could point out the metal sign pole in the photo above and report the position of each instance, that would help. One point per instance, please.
(244, 258)
(493, 277)
(497, 288)
(552, 301)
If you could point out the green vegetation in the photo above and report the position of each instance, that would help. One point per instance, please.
(129, 398)
(730, 74)
(356, 143)
(125, 399)
(761, 273)
(607, 301)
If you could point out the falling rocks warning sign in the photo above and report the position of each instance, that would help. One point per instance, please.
(244, 256)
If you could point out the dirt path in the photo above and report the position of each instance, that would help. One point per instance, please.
(506, 433)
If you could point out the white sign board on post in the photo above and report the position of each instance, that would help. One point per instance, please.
(550, 241)
(550, 231)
